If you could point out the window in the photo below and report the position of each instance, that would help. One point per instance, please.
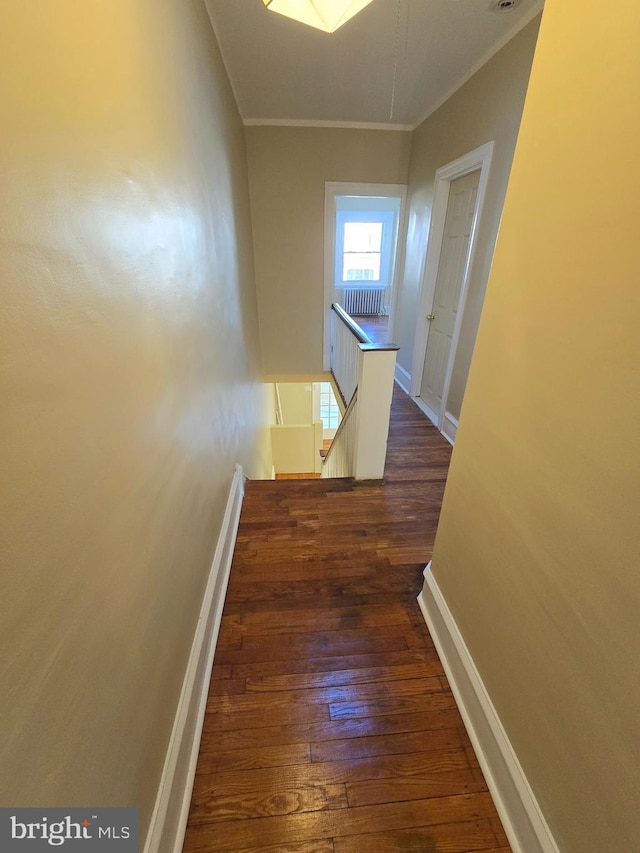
(362, 250)
(329, 412)
(364, 243)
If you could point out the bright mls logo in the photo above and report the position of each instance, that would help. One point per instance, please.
(80, 830)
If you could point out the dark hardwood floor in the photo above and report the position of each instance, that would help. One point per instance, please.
(330, 724)
(376, 326)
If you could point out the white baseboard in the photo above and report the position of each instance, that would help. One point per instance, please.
(433, 417)
(169, 819)
(403, 378)
(449, 427)
(522, 819)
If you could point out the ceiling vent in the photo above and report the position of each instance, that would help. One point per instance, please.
(502, 6)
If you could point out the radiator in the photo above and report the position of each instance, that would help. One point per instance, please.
(359, 302)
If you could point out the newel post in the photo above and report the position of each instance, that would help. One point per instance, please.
(375, 389)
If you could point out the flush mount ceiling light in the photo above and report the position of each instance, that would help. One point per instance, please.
(325, 15)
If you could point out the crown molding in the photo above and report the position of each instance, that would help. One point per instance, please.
(349, 125)
(535, 9)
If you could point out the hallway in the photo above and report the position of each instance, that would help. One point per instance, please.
(330, 725)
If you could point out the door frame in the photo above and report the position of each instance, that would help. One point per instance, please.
(332, 189)
(479, 158)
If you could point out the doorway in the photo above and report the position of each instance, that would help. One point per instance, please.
(459, 193)
(362, 224)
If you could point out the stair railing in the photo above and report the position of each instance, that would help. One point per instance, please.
(346, 338)
(364, 374)
(340, 458)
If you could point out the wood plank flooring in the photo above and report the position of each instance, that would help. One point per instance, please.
(330, 724)
(376, 326)
(309, 476)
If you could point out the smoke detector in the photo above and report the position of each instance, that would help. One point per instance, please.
(502, 6)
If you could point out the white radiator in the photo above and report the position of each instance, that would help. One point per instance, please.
(365, 301)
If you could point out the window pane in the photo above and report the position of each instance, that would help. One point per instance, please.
(363, 236)
(329, 413)
(361, 266)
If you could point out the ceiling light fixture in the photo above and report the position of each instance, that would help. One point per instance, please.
(325, 15)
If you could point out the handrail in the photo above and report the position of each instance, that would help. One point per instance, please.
(373, 347)
(336, 386)
(341, 426)
(279, 418)
(350, 323)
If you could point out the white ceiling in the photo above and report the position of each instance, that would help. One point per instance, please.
(282, 71)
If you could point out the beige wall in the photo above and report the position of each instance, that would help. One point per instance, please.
(296, 399)
(538, 547)
(488, 107)
(296, 448)
(288, 168)
(128, 381)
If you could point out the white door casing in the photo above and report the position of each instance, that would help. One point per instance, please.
(479, 159)
(461, 207)
(332, 190)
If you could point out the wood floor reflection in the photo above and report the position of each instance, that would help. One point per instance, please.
(330, 725)
(376, 326)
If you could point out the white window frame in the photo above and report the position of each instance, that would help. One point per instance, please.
(386, 219)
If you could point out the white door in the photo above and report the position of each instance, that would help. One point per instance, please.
(454, 255)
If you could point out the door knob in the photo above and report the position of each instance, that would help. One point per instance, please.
(431, 316)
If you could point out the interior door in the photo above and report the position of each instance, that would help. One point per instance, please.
(454, 254)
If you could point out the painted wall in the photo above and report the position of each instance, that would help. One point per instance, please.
(296, 399)
(488, 107)
(128, 381)
(288, 168)
(538, 547)
(296, 448)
